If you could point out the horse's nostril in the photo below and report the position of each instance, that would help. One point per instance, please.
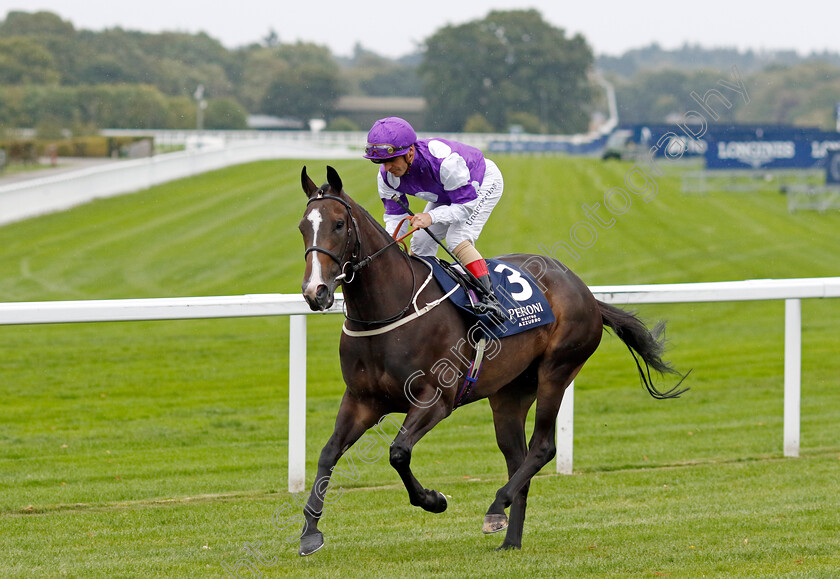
(322, 293)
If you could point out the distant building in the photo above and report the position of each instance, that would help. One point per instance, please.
(365, 110)
(362, 110)
(269, 123)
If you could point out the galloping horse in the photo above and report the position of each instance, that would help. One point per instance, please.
(381, 283)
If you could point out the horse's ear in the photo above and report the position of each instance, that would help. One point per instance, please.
(334, 180)
(308, 186)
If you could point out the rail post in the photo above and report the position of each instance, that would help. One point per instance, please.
(566, 431)
(297, 403)
(793, 376)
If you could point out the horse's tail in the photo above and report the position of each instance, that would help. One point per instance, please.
(649, 345)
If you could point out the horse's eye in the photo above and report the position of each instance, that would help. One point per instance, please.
(339, 225)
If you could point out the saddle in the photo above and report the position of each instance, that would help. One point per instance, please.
(467, 283)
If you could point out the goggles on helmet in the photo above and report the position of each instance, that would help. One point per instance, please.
(382, 151)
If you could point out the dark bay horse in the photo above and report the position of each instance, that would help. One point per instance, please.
(391, 370)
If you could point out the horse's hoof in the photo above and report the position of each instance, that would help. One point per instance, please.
(440, 504)
(311, 543)
(431, 501)
(494, 523)
(508, 547)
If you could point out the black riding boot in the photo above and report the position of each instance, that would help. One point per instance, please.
(489, 302)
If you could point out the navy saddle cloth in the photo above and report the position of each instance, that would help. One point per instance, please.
(517, 291)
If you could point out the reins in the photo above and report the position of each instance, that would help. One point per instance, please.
(354, 266)
(401, 238)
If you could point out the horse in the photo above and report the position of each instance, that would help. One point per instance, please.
(387, 352)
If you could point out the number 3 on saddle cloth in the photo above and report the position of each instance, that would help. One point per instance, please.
(518, 293)
(516, 290)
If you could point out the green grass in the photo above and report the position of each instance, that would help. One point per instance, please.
(159, 448)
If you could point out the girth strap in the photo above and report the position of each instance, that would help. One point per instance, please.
(472, 373)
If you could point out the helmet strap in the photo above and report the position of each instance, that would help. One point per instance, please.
(412, 151)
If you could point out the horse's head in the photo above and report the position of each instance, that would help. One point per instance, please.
(330, 236)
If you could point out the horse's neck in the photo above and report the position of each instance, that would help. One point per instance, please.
(385, 286)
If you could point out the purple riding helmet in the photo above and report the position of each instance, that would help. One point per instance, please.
(388, 138)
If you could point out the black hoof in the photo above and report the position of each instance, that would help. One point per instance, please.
(438, 503)
(431, 501)
(508, 547)
(442, 503)
(311, 543)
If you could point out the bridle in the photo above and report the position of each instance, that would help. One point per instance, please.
(352, 262)
(357, 248)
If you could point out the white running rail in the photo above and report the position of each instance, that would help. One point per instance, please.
(294, 306)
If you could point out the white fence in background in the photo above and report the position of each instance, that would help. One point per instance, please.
(38, 196)
(207, 151)
(351, 139)
(790, 290)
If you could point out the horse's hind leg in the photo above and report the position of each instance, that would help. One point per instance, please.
(510, 409)
(553, 381)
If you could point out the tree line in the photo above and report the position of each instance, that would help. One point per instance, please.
(654, 85)
(510, 68)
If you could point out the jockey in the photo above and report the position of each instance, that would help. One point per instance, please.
(460, 185)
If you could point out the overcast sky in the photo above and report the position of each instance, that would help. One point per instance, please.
(396, 28)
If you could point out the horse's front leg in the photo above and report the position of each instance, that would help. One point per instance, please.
(354, 418)
(418, 421)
